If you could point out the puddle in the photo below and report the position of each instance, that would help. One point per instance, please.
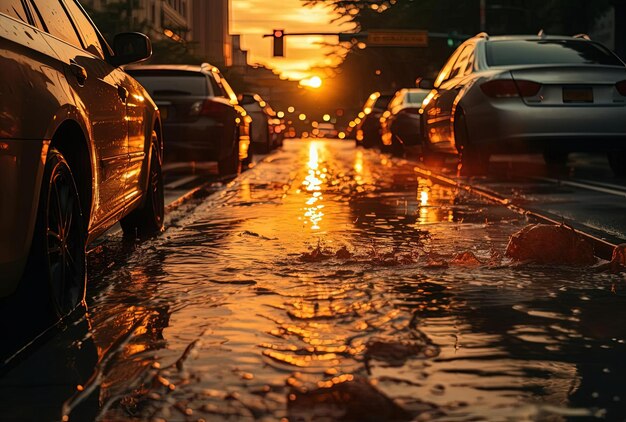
(335, 283)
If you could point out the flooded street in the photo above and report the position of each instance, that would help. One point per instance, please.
(331, 283)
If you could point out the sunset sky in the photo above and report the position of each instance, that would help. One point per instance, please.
(253, 18)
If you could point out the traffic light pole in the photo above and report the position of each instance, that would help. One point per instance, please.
(279, 35)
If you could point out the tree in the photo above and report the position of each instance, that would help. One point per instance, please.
(387, 69)
(115, 17)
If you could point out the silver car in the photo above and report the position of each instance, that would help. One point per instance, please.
(400, 123)
(548, 94)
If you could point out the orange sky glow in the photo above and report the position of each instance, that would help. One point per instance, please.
(253, 18)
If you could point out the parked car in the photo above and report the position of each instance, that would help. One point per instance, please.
(368, 130)
(80, 148)
(548, 94)
(400, 123)
(202, 119)
(266, 131)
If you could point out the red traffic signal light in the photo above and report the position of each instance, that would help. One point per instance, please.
(279, 42)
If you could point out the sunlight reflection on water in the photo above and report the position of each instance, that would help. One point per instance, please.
(248, 310)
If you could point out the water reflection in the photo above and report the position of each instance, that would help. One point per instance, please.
(222, 318)
(313, 184)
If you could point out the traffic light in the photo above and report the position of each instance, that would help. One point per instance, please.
(279, 42)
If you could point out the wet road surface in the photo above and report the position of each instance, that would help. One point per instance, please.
(330, 283)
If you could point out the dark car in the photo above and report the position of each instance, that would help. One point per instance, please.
(368, 129)
(266, 128)
(80, 148)
(400, 123)
(202, 119)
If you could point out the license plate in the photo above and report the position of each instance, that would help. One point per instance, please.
(578, 95)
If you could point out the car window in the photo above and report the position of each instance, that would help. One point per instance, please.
(397, 100)
(247, 99)
(417, 97)
(226, 89)
(469, 68)
(13, 8)
(172, 83)
(90, 36)
(218, 91)
(516, 52)
(459, 65)
(445, 70)
(56, 20)
(382, 102)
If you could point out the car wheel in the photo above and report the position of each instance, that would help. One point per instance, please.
(617, 162)
(555, 158)
(230, 165)
(474, 161)
(245, 164)
(148, 219)
(58, 250)
(397, 148)
(262, 147)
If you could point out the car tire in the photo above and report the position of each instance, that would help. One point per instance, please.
(617, 162)
(397, 148)
(58, 251)
(263, 147)
(474, 162)
(230, 165)
(555, 158)
(147, 220)
(245, 164)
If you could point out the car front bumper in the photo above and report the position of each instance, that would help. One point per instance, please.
(21, 170)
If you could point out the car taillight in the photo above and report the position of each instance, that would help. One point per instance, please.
(621, 88)
(207, 108)
(507, 88)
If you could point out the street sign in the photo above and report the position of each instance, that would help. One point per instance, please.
(397, 38)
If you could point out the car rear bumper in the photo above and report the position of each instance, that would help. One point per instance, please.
(21, 169)
(198, 141)
(509, 126)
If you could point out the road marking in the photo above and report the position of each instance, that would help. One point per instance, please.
(603, 248)
(584, 184)
(180, 182)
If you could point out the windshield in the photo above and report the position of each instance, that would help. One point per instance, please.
(417, 97)
(531, 52)
(175, 84)
(382, 102)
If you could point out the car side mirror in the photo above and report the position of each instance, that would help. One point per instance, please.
(424, 83)
(130, 47)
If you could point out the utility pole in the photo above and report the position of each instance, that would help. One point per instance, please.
(483, 15)
(129, 12)
(620, 29)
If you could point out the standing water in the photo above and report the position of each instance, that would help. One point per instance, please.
(332, 283)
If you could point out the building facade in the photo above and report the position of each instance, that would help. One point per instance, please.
(211, 32)
(202, 24)
(162, 18)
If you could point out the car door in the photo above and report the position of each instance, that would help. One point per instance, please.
(440, 111)
(95, 88)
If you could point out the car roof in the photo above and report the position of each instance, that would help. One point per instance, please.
(488, 38)
(205, 67)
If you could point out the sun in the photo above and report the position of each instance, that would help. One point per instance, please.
(312, 82)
